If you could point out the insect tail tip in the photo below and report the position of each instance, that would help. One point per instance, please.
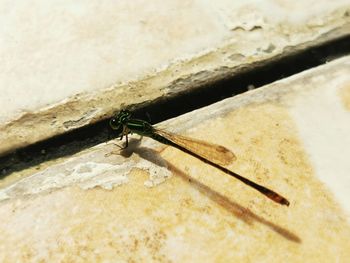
(278, 198)
(285, 202)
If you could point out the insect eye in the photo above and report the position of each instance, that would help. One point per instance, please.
(114, 124)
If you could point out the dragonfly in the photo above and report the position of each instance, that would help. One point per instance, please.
(212, 154)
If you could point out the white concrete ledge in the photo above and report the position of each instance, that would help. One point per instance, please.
(65, 65)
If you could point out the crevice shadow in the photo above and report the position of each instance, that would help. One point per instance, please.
(242, 213)
(213, 87)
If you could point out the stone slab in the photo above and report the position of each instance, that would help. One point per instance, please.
(66, 65)
(154, 203)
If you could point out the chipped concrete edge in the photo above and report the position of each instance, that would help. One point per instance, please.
(299, 83)
(83, 109)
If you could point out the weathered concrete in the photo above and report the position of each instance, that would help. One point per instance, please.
(154, 203)
(65, 65)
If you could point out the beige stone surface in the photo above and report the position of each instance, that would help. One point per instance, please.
(154, 203)
(344, 93)
(67, 64)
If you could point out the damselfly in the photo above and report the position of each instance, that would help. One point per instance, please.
(212, 154)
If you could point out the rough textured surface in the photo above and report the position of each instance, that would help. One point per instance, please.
(198, 213)
(65, 64)
(344, 94)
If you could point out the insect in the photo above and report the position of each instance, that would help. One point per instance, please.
(212, 154)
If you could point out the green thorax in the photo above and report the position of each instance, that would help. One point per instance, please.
(140, 127)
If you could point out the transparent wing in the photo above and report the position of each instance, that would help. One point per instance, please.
(218, 156)
(213, 152)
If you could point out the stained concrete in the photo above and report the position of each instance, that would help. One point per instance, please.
(154, 203)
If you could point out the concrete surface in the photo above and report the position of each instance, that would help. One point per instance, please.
(67, 64)
(154, 203)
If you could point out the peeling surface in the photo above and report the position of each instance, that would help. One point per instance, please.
(81, 121)
(266, 14)
(76, 171)
(87, 171)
